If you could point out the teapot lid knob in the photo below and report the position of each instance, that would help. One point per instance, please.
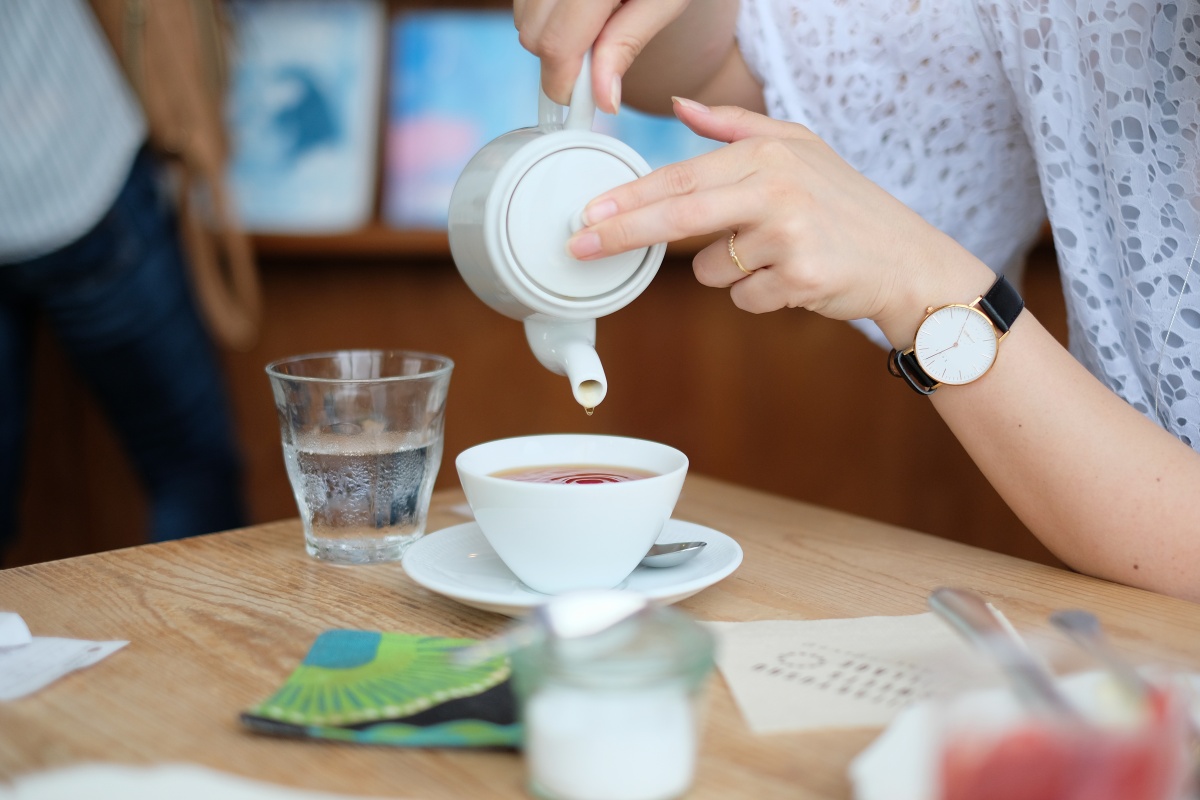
(544, 212)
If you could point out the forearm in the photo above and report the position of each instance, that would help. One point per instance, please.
(1107, 490)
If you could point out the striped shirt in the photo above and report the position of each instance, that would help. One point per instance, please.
(70, 126)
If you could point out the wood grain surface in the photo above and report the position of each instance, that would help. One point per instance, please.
(216, 623)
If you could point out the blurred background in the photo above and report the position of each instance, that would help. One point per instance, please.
(349, 121)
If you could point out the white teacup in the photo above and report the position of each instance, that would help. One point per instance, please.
(561, 537)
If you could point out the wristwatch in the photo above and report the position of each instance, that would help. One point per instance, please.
(957, 344)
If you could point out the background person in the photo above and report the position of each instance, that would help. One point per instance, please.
(88, 242)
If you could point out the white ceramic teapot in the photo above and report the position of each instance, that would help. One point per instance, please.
(513, 208)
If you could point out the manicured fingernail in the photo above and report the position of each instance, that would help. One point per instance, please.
(692, 104)
(615, 94)
(599, 212)
(584, 245)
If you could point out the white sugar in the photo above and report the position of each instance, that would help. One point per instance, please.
(636, 744)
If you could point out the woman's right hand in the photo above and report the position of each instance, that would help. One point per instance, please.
(560, 32)
(812, 232)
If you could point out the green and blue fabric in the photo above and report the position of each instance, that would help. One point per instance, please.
(392, 688)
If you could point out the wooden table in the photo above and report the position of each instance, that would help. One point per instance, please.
(216, 623)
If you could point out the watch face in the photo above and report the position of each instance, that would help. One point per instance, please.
(956, 344)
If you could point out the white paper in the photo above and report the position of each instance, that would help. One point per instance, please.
(789, 675)
(13, 630)
(24, 670)
(158, 782)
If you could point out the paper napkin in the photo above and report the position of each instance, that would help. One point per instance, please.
(392, 688)
(790, 675)
(29, 663)
(174, 781)
(13, 630)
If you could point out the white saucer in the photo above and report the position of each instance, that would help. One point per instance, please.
(459, 563)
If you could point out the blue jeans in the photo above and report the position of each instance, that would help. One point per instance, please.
(119, 304)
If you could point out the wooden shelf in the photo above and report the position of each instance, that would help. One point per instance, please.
(377, 241)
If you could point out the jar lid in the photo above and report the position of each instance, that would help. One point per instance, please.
(653, 645)
(544, 211)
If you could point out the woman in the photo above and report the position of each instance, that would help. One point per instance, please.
(932, 130)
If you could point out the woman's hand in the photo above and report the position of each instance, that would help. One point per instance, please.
(812, 231)
(560, 32)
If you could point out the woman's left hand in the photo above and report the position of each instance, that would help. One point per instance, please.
(812, 231)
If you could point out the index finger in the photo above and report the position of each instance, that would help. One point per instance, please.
(708, 171)
(668, 220)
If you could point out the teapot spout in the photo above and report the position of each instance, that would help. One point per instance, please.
(568, 347)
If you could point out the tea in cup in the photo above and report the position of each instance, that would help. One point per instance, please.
(571, 511)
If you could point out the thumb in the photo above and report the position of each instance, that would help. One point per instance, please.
(732, 123)
(630, 28)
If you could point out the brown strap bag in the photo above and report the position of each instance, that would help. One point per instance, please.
(173, 54)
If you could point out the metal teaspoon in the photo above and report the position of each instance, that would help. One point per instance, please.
(1084, 629)
(670, 555)
(970, 615)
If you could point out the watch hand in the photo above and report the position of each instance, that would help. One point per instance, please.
(944, 349)
(963, 329)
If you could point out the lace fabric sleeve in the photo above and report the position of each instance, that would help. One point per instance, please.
(1110, 94)
(911, 95)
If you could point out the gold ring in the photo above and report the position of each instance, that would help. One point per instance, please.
(733, 254)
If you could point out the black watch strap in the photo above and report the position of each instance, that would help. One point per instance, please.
(1002, 305)
(905, 365)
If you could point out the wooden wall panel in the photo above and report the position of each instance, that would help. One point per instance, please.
(788, 402)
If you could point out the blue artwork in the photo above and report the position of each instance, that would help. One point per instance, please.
(307, 121)
(458, 80)
(303, 112)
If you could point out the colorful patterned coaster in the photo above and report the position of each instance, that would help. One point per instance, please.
(392, 688)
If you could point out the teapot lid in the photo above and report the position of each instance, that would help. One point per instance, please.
(544, 211)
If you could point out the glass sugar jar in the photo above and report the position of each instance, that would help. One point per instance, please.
(617, 714)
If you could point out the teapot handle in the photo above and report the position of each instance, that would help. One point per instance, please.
(582, 111)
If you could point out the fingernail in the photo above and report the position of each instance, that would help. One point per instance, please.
(584, 245)
(692, 104)
(615, 94)
(599, 212)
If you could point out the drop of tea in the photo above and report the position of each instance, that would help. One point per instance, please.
(590, 411)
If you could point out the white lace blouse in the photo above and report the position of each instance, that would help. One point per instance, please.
(983, 115)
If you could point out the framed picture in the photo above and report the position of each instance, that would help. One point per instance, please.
(304, 112)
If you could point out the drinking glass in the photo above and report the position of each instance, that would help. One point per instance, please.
(1123, 749)
(362, 441)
